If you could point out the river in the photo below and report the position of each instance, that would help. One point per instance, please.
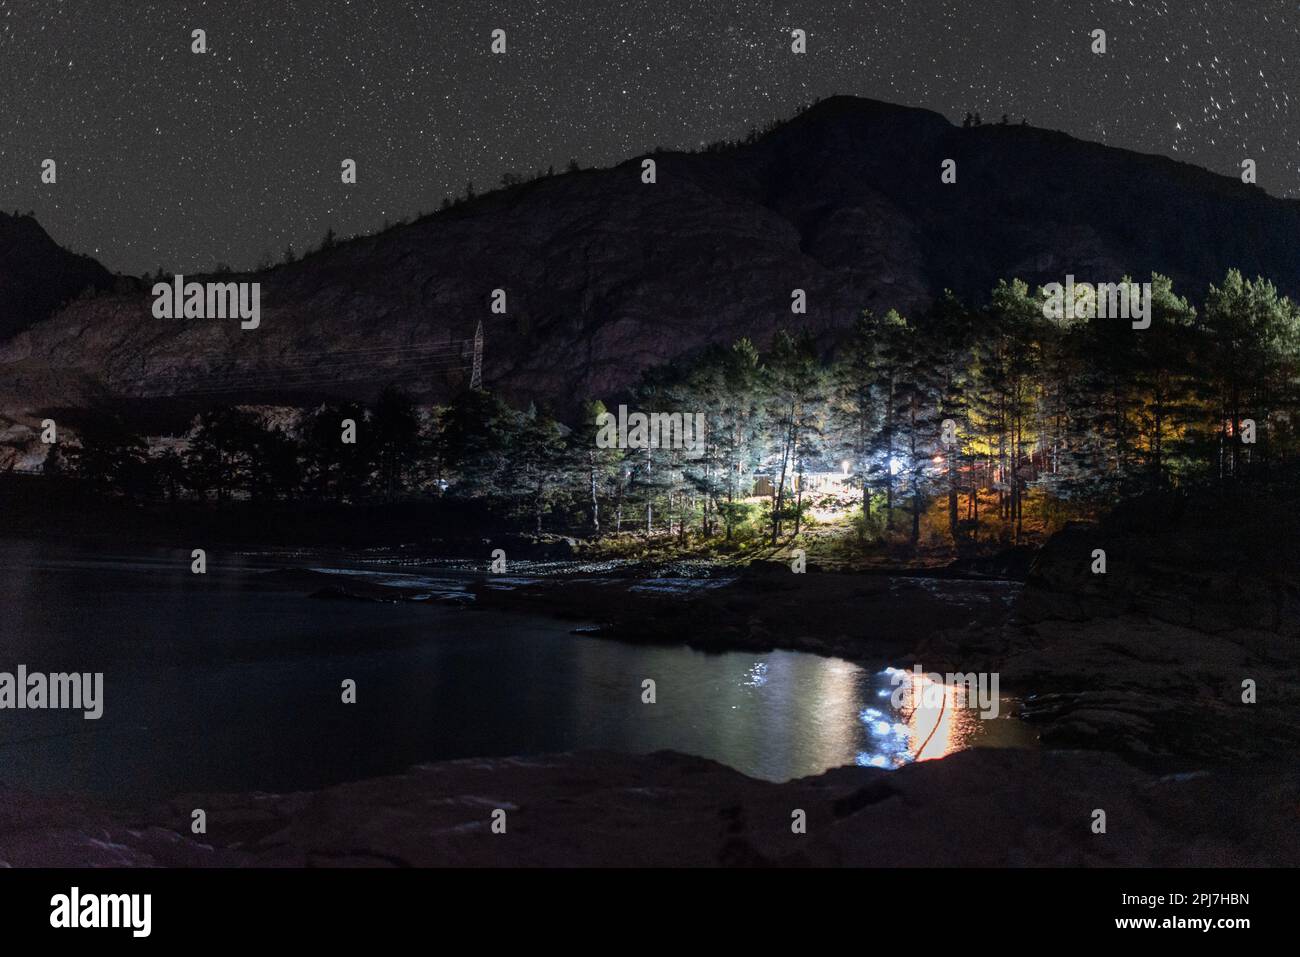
(227, 682)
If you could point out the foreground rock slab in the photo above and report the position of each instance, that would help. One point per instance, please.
(979, 807)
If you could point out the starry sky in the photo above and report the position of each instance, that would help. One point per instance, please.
(175, 159)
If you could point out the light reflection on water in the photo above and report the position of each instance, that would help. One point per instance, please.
(798, 714)
(931, 721)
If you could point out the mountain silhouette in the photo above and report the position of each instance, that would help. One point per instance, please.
(37, 275)
(606, 276)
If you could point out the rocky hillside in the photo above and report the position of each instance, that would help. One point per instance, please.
(606, 275)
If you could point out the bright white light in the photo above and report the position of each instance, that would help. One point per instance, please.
(845, 466)
(895, 466)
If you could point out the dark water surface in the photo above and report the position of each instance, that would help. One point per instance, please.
(228, 682)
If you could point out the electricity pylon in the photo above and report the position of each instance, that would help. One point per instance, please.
(476, 377)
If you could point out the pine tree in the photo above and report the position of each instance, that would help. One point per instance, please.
(793, 387)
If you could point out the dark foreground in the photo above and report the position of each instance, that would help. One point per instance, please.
(978, 807)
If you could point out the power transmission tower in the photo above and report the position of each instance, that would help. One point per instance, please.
(476, 377)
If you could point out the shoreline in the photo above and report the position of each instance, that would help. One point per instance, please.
(980, 807)
(1148, 664)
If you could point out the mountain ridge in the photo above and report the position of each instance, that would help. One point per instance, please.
(606, 276)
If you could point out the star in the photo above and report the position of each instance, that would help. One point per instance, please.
(184, 159)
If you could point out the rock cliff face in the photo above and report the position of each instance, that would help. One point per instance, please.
(1185, 647)
(606, 275)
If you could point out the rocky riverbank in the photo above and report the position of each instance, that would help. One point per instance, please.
(1183, 652)
(975, 808)
(1152, 659)
(1163, 691)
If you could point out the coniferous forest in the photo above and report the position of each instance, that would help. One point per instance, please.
(1050, 419)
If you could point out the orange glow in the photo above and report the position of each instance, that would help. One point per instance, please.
(932, 731)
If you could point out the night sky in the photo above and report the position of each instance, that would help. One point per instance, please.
(182, 160)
